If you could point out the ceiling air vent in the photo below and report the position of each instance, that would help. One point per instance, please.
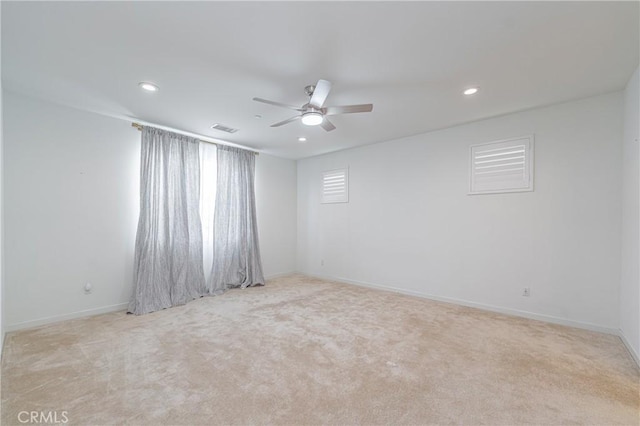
(224, 128)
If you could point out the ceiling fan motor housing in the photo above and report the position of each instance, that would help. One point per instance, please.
(309, 90)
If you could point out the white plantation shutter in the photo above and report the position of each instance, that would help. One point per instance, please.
(335, 186)
(502, 166)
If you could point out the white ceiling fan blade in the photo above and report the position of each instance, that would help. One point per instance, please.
(327, 125)
(347, 109)
(320, 93)
(265, 101)
(288, 120)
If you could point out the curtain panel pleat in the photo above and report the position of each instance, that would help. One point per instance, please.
(236, 253)
(168, 253)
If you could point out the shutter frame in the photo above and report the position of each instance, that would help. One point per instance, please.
(334, 186)
(502, 166)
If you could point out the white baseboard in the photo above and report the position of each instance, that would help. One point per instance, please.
(64, 317)
(630, 348)
(491, 308)
(91, 312)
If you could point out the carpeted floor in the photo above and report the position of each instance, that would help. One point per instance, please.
(305, 351)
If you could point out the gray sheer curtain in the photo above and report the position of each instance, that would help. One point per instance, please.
(168, 254)
(236, 255)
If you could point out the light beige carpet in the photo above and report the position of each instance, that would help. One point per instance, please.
(305, 351)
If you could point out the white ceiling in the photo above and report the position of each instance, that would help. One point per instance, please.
(411, 60)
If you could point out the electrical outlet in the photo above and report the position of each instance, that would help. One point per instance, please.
(526, 292)
(322, 262)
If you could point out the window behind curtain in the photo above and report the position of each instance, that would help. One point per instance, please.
(208, 184)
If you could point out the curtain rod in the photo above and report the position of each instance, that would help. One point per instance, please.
(140, 127)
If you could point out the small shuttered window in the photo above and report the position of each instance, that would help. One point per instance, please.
(502, 166)
(335, 186)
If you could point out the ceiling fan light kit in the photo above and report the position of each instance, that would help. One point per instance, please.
(149, 87)
(312, 118)
(314, 113)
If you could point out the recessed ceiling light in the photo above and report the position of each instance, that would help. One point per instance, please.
(471, 91)
(301, 139)
(149, 87)
(258, 116)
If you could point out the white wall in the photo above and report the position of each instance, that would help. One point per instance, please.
(71, 211)
(630, 282)
(2, 323)
(276, 206)
(410, 224)
(71, 206)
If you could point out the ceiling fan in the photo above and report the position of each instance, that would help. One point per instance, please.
(313, 113)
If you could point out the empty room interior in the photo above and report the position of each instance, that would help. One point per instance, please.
(319, 213)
